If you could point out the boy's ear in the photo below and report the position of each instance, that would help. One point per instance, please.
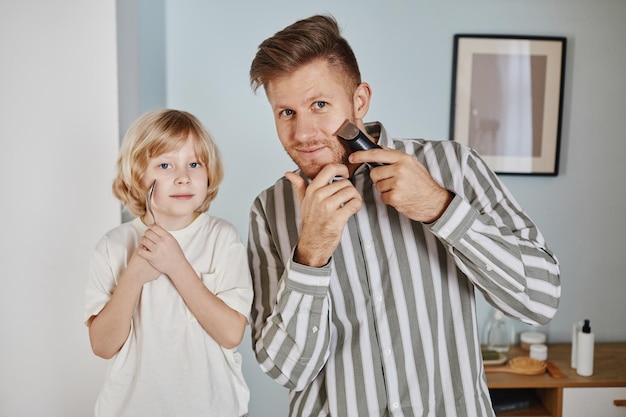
(361, 99)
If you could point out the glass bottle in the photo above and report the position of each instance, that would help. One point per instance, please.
(499, 333)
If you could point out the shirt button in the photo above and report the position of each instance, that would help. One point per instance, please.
(315, 329)
(395, 405)
(489, 267)
(379, 297)
(387, 351)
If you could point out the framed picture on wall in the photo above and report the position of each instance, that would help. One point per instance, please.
(507, 96)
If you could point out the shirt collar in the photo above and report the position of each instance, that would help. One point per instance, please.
(377, 131)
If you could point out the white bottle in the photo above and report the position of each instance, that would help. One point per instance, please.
(499, 333)
(584, 362)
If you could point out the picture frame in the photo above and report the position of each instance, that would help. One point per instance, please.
(507, 100)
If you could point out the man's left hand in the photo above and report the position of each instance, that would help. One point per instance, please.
(405, 184)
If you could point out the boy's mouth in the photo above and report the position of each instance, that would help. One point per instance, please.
(182, 196)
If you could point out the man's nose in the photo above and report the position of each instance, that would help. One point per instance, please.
(304, 128)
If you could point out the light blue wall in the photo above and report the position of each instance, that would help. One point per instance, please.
(405, 53)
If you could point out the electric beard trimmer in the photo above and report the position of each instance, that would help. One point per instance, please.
(356, 140)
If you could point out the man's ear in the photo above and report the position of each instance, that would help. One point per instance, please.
(361, 100)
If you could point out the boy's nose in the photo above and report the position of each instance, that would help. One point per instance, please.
(183, 179)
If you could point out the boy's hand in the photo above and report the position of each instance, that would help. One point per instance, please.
(140, 270)
(161, 250)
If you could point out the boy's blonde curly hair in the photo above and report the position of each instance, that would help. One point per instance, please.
(153, 134)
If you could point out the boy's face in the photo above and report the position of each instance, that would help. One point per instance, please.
(309, 105)
(181, 186)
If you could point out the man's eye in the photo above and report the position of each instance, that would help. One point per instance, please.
(286, 112)
(320, 104)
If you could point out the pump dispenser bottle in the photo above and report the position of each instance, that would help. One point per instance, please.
(499, 333)
(584, 363)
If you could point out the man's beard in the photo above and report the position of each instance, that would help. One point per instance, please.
(311, 169)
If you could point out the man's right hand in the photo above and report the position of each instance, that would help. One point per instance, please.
(325, 207)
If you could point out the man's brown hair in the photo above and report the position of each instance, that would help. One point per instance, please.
(315, 38)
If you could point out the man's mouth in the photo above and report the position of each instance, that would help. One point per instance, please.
(311, 151)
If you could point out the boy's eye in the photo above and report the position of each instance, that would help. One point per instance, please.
(194, 164)
(164, 166)
(320, 104)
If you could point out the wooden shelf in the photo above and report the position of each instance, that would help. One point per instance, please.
(609, 371)
(536, 409)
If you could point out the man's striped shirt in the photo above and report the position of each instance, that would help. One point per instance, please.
(388, 327)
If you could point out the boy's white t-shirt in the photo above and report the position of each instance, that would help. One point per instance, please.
(169, 366)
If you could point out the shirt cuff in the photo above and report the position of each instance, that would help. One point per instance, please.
(307, 279)
(455, 221)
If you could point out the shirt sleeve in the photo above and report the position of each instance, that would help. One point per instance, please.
(100, 281)
(291, 310)
(497, 246)
(230, 281)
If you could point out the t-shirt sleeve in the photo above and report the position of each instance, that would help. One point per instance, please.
(100, 281)
(230, 278)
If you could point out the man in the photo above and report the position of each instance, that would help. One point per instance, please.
(364, 286)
